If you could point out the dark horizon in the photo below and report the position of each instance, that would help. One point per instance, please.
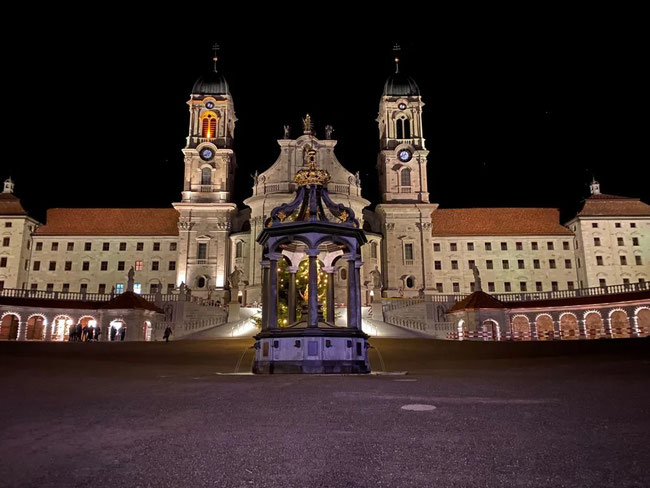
(514, 119)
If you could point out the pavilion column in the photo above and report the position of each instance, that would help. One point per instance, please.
(582, 329)
(312, 305)
(272, 316)
(557, 330)
(354, 290)
(265, 293)
(48, 330)
(533, 330)
(292, 293)
(330, 293)
(21, 331)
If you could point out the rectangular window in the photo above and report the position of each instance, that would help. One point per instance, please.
(522, 286)
(507, 286)
(104, 266)
(617, 225)
(122, 246)
(34, 286)
(519, 246)
(106, 246)
(170, 288)
(454, 264)
(489, 264)
(39, 246)
(520, 264)
(65, 288)
(470, 246)
(101, 289)
(456, 287)
(156, 246)
(596, 241)
(471, 264)
(154, 265)
(437, 264)
(566, 246)
(6, 241)
(137, 288)
(3, 262)
(172, 266)
(637, 259)
(68, 266)
(119, 288)
(408, 252)
(554, 286)
(602, 282)
(550, 246)
(49, 287)
(488, 246)
(534, 246)
(626, 281)
(635, 241)
(504, 246)
(472, 287)
(139, 246)
(138, 266)
(52, 266)
(570, 285)
(491, 286)
(453, 246)
(551, 263)
(623, 261)
(172, 246)
(439, 287)
(436, 247)
(120, 265)
(505, 264)
(633, 225)
(153, 288)
(83, 288)
(641, 281)
(536, 263)
(567, 264)
(202, 250)
(37, 265)
(85, 266)
(594, 225)
(619, 241)
(8, 224)
(55, 246)
(599, 260)
(578, 261)
(538, 286)
(70, 246)
(88, 246)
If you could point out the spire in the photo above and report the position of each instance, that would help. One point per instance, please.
(594, 187)
(215, 49)
(9, 186)
(397, 49)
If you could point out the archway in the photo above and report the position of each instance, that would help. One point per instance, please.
(89, 328)
(594, 328)
(35, 328)
(520, 328)
(544, 324)
(569, 327)
(643, 322)
(117, 330)
(620, 324)
(9, 327)
(147, 329)
(491, 330)
(61, 327)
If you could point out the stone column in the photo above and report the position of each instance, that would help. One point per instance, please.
(557, 330)
(272, 316)
(312, 305)
(354, 290)
(291, 305)
(330, 293)
(265, 293)
(533, 330)
(582, 329)
(48, 331)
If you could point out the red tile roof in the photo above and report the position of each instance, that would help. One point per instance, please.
(110, 222)
(10, 205)
(497, 222)
(475, 301)
(597, 205)
(130, 300)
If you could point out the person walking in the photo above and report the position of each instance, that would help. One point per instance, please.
(167, 333)
(98, 332)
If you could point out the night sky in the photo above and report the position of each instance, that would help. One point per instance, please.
(97, 117)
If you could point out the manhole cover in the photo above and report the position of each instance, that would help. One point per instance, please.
(418, 407)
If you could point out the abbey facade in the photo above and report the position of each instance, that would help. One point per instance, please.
(414, 248)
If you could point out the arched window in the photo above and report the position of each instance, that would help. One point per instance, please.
(209, 126)
(239, 249)
(410, 282)
(206, 176)
(405, 177)
(373, 250)
(200, 283)
(403, 128)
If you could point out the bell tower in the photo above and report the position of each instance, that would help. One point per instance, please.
(209, 159)
(402, 160)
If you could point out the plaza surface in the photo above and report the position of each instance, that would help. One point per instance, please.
(173, 415)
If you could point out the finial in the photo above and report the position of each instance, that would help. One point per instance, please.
(9, 186)
(307, 125)
(397, 49)
(215, 49)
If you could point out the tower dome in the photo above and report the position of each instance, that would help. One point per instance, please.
(401, 85)
(213, 83)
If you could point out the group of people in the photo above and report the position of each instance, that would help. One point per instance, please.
(84, 333)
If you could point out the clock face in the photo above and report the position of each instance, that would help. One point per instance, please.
(207, 154)
(402, 106)
(404, 155)
(209, 104)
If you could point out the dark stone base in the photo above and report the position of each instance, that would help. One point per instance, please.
(311, 367)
